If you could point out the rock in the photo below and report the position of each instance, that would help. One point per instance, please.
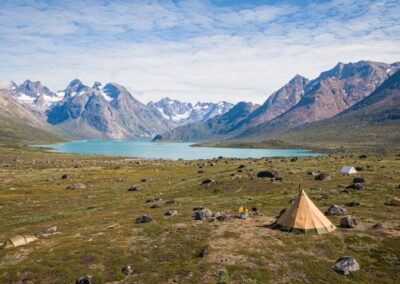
(127, 270)
(355, 186)
(353, 203)
(153, 200)
(268, 174)
(170, 213)
(359, 169)
(202, 214)
(323, 176)
(241, 166)
(336, 210)
(135, 188)
(154, 206)
(346, 265)
(279, 179)
(221, 216)
(348, 222)
(77, 186)
(203, 251)
(65, 176)
(143, 219)
(84, 280)
(120, 167)
(52, 230)
(362, 156)
(377, 226)
(324, 196)
(358, 180)
(207, 181)
(311, 173)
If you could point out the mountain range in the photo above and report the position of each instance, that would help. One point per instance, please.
(297, 103)
(337, 103)
(105, 112)
(181, 113)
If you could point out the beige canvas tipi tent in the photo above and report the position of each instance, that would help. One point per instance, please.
(304, 217)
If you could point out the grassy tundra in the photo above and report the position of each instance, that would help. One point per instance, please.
(97, 234)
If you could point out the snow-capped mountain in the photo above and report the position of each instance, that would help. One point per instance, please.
(180, 113)
(109, 112)
(35, 95)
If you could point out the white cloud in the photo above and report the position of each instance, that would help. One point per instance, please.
(191, 50)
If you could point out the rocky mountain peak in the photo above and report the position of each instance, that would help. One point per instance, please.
(34, 89)
(97, 85)
(75, 87)
(114, 90)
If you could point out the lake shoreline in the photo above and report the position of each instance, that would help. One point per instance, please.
(170, 151)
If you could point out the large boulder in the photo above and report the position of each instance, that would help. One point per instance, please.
(323, 176)
(353, 203)
(220, 216)
(65, 176)
(355, 186)
(203, 251)
(358, 180)
(127, 270)
(84, 280)
(143, 219)
(336, 210)
(377, 226)
(346, 265)
(348, 222)
(208, 181)
(268, 174)
(77, 186)
(202, 214)
(170, 213)
(153, 200)
(135, 188)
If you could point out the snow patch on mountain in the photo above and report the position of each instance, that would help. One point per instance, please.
(180, 113)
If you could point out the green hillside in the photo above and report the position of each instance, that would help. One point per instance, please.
(20, 126)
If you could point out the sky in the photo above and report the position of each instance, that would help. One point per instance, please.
(196, 50)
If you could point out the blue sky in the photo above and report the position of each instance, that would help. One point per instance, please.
(191, 50)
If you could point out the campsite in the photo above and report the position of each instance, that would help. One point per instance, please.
(93, 230)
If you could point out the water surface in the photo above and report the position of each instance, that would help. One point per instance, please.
(172, 151)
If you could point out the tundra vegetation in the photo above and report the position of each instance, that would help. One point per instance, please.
(88, 199)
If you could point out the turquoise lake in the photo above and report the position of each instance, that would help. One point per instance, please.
(172, 151)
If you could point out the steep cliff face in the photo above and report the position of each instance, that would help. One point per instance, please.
(335, 91)
(279, 102)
